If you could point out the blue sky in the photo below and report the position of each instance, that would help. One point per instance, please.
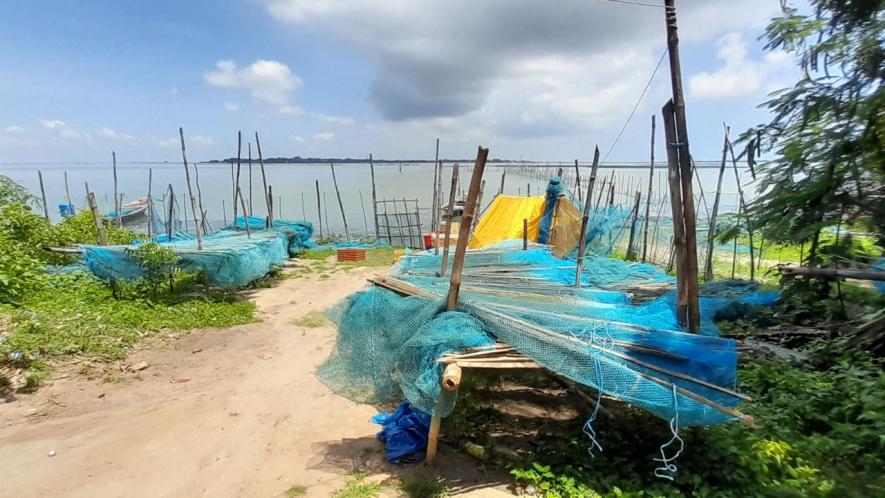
(541, 80)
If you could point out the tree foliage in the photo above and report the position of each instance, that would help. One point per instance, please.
(827, 134)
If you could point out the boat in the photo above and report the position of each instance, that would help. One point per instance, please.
(132, 213)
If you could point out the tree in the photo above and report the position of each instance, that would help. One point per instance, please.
(827, 134)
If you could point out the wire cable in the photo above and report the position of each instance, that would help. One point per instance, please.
(638, 101)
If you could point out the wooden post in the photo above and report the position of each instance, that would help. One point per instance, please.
(651, 177)
(326, 214)
(224, 212)
(169, 222)
(304, 211)
(676, 205)
(743, 206)
(245, 218)
(340, 204)
(374, 197)
(503, 177)
(320, 210)
(365, 220)
(233, 191)
(187, 178)
(450, 213)
(96, 217)
(117, 207)
(711, 231)
(525, 234)
(439, 194)
(269, 205)
(578, 182)
(408, 223)
(150, 205)
(464, 234)
(682, 152)
(43, 195)
(435, 203)
(267, 194)
(582, 241)
(237, 180)
(528, 189)
(203, 223)
(631, 251)
(68, 196)
(249, 148)
(482, 188)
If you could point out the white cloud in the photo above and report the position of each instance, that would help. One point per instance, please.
(535, 71)
(169, 142)
(13, 130)
(343, 120)
(738, 75)
(297, 138)
(325, 136)
(110, 134)
(52, 124)
(268, 81)
(231, 106)
(201, 140)
(292, 110)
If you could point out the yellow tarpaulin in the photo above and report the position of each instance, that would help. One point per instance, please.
(566, 228)
(503, 220)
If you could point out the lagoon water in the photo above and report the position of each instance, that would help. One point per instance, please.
(295, 191)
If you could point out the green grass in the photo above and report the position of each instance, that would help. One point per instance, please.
(356, 487)
(295, 491)
(422, 486)
(315, 255)
(78, 315)
(312, 320)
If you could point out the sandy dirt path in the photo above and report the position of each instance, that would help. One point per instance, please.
(218, 412)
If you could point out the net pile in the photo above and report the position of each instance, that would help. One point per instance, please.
(230, 257)
(388, 344)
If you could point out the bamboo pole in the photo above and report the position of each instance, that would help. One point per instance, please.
(233, 191)
(340, 204)
(96, 217)
(267, 194)
(304, 212)
(43, 195)
(464, 235)
(187, 178)
(711, 230)
(68, 196)
(435, 203)
(326, 214)
(631, 252)
(578, 182)
(651, 177)
(365, 219)
(525, 234)
(503, 177)
(169, 221)
(150, 205)
(224, 212)
(482, 188)
(408, 223)
(832, 273)
(743, 206)
(269, 205)
(676, 206)
(374, 197)
(203, 222)
(683, 155)
(450, 213)
(320, 210)
(582, 241)
(237, 180)
(117, 206)
(249, 148)
(439, 194)
(246, 219)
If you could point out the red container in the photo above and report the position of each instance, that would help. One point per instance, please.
(428, 240)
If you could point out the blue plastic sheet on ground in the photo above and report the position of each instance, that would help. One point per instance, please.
(404, 433)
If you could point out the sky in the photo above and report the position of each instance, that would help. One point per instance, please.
(531, 79)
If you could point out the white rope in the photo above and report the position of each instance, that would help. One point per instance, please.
(667, 468)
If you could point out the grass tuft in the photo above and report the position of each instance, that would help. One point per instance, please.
(421, 486)
(295, 491)
(312, 320)
(357, 488)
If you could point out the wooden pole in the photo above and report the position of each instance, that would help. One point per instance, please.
(582, 241)
(340, 204)
(435, 203)
(525, 234)
(832, 273)
(651, 177)
(676, 205)
(743, 205)
(150, 205)
(365, 219)
(68, 196)
(450, 213)
(245, 218)
(203, 222)
(482, 188)
(43, 195)
(683, 156)
(326, 214)
(320, 210)
(169, 222)
(96, 217)
(439, 194)
(117, 216)
(187, 178)
(249, 148)
(711, 231)
(464, 234)
(237, 180)
(374, 197)
(269, 205)
(631, 251)
(267, 194)
(304, 212)
(408, 223)
(503, 177)
(233, 190)
(578, 182)
(224, 212)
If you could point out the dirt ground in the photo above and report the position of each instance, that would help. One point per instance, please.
(217, 412)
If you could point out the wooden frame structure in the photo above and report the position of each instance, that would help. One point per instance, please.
(399, 221)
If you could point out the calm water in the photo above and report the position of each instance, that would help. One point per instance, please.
(295, 191)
